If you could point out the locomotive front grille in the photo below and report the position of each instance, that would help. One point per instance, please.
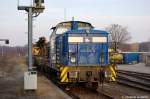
(86, 74)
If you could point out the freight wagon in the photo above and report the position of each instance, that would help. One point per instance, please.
(131, 57)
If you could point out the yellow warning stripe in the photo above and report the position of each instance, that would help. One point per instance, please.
(113, 71)
(63, 75)
(36, 50)
(113, 77)
(64, 78)
(63, 71)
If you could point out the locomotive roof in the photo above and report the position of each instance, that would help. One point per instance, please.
(68, 23)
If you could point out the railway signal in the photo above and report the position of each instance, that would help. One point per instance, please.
(5, 40)
(30, 77)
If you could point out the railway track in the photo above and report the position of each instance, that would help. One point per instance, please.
(77, 91)
(82, 92)
(134, 79)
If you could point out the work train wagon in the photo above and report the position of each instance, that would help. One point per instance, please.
(78, 53)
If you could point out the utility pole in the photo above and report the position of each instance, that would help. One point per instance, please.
(33, 11)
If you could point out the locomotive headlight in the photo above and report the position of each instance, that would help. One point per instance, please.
(73, 59)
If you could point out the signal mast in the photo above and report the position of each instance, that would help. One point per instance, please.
(30, 77)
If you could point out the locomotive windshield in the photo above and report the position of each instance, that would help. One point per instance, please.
(65, 26)
(84, 26)
(61, 30)
(86, 53)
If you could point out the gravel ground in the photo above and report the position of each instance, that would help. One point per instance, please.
(136, 67)
(11, 82)
(124, 92)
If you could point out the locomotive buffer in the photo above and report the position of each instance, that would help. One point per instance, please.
(30, 77)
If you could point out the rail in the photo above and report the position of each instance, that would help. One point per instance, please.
(134, 79)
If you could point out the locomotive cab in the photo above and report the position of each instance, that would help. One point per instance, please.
(60, 29)
(79, 53)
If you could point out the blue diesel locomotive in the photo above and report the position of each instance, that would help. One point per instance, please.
(78, 53)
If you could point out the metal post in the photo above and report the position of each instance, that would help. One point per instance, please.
(30, 38)
(115, 46)
(30, 77)
(2, 51)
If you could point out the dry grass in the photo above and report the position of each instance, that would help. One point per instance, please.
(11, 82)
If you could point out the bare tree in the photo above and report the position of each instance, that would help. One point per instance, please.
(118, 34)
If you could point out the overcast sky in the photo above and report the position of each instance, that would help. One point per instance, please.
(135, 14)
